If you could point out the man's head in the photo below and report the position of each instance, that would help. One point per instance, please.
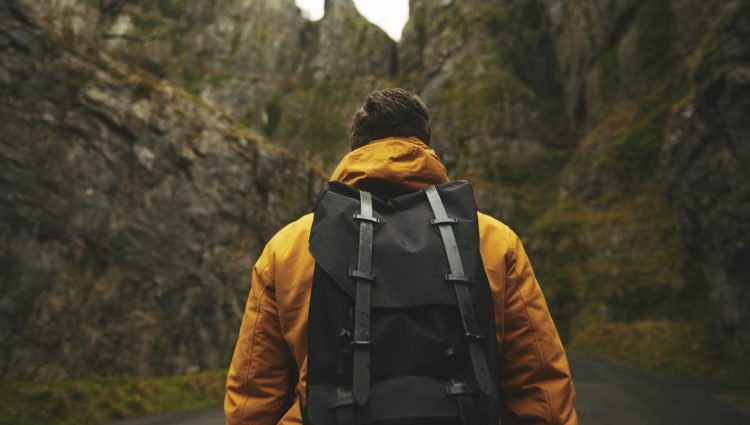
(390, 113)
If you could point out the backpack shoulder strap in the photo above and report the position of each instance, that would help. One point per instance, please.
(461, 284)
(363, 301)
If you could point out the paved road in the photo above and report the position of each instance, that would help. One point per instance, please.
(616, 394)
(609, 393)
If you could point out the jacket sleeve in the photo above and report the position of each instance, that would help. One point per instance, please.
(534, 372)
(258, 380)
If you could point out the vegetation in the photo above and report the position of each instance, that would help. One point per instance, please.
(609, 73)
(170, 8)
(655, 23)
(635, 155)
(92, 401)
(639, 300)
(192, 80)
(324, 129)
(273, 115)
(673, 347)
(248, 118)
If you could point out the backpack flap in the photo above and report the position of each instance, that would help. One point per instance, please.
(408, 257)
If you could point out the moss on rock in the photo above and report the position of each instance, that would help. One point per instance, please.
(91, 401)
(609, 73)
(635, 155)
(655, 23)
(674, 347)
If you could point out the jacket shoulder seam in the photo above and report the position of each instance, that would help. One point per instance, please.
(539, 352)
(261, 298)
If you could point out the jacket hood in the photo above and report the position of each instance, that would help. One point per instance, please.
(390, 167)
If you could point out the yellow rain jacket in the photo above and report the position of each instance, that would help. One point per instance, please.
(263, 387)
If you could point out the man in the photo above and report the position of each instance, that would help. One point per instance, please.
(391, 157)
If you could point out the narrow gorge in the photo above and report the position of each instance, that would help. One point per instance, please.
(148, 149)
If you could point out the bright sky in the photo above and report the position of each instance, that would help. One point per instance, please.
(391, 15)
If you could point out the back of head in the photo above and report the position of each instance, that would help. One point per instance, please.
(392, 112)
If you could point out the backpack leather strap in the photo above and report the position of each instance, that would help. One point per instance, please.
(344, 406)
(462, 393)
(361, 341)
(461, 285)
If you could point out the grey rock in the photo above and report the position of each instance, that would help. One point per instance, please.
(131, 214)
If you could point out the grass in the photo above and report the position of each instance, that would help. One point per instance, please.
(621, 261)
(92, 401)
(680, 348)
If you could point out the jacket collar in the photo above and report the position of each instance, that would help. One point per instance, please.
(390, 167)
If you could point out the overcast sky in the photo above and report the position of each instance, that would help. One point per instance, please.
(391, 15)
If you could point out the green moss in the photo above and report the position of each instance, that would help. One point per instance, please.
(235, 43)
(170, 8)
(91, 401)
(287, 201)
(475, 96)
(672, 347)
(495, 21)
(248, 119)
(216, 80)
(420, 30)
(635, 155)
(192, 80)
(324, 130)
(521, 40)
(655, 25)
(362, 39)
(273, 114)
(609, 73)
(145, 24)
(622, 262)
(503, 166)
(709, 54)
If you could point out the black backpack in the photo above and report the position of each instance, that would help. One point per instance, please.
(398, 333)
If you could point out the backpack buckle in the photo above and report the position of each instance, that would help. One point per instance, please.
(357, 274)
(474, 337)
(343, 399)
(361, 343)
(458, 388)
(371, 219)
(454, 278)
(446, 220)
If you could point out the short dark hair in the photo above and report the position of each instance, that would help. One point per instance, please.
(391, 112)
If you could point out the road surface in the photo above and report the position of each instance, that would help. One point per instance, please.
(609, 393)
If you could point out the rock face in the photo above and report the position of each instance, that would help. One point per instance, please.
(294, 81)
(708, 155)
(489, 75)
(632, 202)
(655, 186)
(131, 212)
(143, 161)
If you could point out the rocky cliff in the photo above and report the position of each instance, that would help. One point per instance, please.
(131, 212)
(707, 153)
(608, 134)
(611, 135)
(653, 87)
